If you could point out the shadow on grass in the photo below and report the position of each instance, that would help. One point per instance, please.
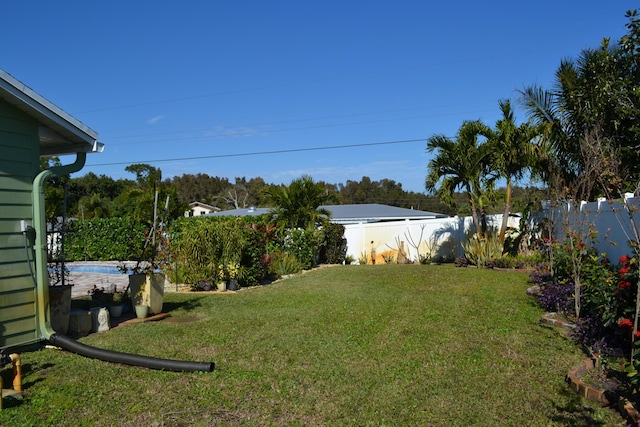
(167, 307)
(575, 412)
(188, 305)
(13, 401)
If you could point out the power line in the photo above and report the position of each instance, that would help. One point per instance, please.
(329, 78)
(310, 119)
(228, 132)
(260, 153)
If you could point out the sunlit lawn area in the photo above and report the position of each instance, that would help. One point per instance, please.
(401, 345)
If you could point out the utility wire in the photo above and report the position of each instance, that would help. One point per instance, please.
(229, 132)
(329, 78)
(261, 153)
(115, 135)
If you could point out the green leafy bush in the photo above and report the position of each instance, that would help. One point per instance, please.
(303, 244)
(202, 246)
(105, 239)
(333, 249)
(255, 258)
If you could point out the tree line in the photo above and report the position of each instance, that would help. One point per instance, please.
(100, 196)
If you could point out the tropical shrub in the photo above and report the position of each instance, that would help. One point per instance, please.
(424, 259)
(255, 258)
(209, 248)
(202, 246)
(479, 251)
(363, 259)
(303, 244)
(284, 263)
(333, 249)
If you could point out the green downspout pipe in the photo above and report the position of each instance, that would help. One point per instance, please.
(42, 291)
(43, 316)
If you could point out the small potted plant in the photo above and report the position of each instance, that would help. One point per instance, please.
(142, 309)
(147, 281)
(117, 300)
(231, 274)
(99, 296)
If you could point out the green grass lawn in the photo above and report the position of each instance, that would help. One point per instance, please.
(393, 345)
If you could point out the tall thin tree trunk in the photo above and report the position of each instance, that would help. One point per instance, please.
(476, 222)
(507, 211)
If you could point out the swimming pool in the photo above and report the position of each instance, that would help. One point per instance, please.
(97, 269)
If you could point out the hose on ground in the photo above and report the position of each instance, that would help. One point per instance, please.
(74, 346)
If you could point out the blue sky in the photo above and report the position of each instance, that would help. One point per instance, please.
(270, 88)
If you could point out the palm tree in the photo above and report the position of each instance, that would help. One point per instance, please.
(590, 119)
(460, 164)
(297, 206)
(512, 153)
(94, 206)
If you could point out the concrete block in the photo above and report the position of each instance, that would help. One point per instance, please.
(80, 322)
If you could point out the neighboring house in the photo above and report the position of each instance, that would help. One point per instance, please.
(30, 127)
(386, 231)
(351, 214)
(374, 212)
(250, 211)
(199, 208)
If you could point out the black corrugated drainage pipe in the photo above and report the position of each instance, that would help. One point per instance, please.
(74, 346)
(42, 306)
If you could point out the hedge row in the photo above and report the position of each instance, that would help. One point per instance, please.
(105, 239)
(211, 249)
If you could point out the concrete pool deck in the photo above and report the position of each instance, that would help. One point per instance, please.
(83, 282)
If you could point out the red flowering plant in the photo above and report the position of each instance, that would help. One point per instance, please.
(583, 271)
(600, 296)
(626, 287)
(610, 292)
(627, 290)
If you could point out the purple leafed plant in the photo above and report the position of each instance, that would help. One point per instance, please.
(540, 275)
(591, 332)
(557, 297)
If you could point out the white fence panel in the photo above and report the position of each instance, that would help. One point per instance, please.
(439, 237)
(607, 221)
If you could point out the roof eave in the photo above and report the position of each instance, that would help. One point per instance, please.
(71, 135)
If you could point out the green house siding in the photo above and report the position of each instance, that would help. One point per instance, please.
(19, 164)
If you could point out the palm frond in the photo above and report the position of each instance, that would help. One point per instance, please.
(539, 104)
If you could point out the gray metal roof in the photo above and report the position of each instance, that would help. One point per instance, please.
(59, 132)
(374, 212)
(351, 214)
(241, 212)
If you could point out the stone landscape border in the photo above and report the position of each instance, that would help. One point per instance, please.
(575, 375)
(574, 379)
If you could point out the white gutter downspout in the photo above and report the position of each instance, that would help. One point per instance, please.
(40, 246)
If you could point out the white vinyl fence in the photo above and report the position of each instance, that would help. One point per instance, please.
(436, 238)
(604, 224)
